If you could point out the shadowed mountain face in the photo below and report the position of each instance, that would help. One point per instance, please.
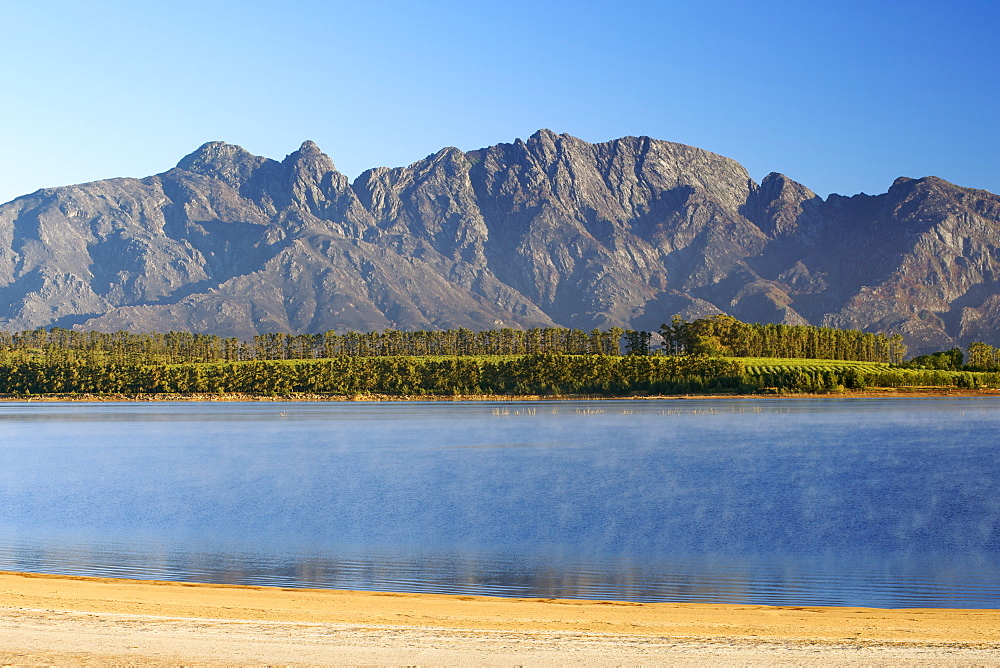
(548, 231)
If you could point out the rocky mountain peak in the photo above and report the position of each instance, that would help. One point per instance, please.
(777, 187)
(310, 157)
(209, 152)
(545, 136)
(778, 204)
(226, 162)
(309, 146)
(213, 154)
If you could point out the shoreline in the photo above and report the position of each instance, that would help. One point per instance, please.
(874, 393)
(91, 620)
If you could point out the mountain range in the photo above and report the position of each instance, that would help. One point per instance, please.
(551, 231)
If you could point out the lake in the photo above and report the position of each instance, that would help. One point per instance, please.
(884, 503)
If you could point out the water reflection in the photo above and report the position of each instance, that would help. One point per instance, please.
(895, 583)
(860, 502)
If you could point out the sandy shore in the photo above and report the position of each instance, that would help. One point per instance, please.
(59, 620)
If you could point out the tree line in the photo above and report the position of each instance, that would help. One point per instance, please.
(981, 357)
(716, 336)
(719, 335)
(723, 335)
(536, 374)
(58, 344)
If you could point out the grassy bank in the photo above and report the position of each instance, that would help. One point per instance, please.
(543, 375)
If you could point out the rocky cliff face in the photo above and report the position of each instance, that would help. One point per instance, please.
(548, 231)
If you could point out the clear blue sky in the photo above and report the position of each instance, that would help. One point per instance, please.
(843, 96)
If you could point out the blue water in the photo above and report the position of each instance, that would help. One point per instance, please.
(887, 503)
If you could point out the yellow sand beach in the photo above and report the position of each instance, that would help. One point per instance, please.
(52, 619)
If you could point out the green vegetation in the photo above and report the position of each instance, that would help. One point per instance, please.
(706, 356)
(818, 375)
(947, 360)
(537, 374)
(725, 335)
(542, 373)
(983, 357)
(176, 347)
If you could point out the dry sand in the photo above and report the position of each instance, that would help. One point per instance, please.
(60, 620)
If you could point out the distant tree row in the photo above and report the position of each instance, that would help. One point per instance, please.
(452, 342)
(727, 336)
(943, 360)
(543, 373)
(720, 335)
(802, 380)
(537, 374)
(981, 357)
(60, 344)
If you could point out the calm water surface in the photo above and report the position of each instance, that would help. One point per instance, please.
(891, 503)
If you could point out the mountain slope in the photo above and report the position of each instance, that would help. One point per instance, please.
(548, 231)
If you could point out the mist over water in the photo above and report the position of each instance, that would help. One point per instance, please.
(888, 503)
